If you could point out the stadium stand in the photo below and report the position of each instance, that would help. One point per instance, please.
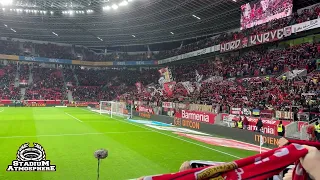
(47, 85)
(281, 75)
(71, 52)
(251, 79)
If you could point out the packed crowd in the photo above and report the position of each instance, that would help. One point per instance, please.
(244, 91)
(295, 18)
(7, 80)
(24, 72)
(271, 91)
(108, 84)
(69, 77)
(47, 84)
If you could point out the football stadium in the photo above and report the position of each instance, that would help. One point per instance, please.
(159, 89)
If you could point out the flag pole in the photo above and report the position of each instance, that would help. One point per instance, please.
(261, 143)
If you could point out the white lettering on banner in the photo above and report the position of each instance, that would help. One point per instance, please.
(270, 36)
(264, 121)
(140, 62)
(145, 109)
(54, 60)
(305, 26)
(167, 104)
(180, 106)
(236, 111)
(281, 152)
(266, 130)
(188, 55)
(29, 58)
(121, 63)
(239, 172)
(229, 46)
(195, 116)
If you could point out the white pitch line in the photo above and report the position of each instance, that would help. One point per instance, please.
(74, 117)
(80, 134)
(176, 137)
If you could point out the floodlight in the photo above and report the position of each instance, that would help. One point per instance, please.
(6, 2)
(123, 3)
(115, 7)
(107, 7)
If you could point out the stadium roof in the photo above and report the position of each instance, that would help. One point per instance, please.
(99, 23)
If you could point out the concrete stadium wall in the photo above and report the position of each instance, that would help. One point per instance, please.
(271, 141)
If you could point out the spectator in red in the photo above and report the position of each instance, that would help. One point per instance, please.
(245, 122)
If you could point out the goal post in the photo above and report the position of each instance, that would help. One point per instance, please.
(115, 108)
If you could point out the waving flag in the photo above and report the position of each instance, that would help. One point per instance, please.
(188, 86)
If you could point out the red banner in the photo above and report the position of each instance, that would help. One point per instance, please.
(270, 36)
(145, 109)
(196, 116)
(266, 113)
(269, 125)
(233, 45)
(236, 111)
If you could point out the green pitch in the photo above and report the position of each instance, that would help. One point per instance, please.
(71, 135)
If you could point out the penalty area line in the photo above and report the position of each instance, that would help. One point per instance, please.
(175, 137)
(74, 117)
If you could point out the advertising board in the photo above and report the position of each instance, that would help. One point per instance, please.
(35, 105)
(145, 109)
(269, 125)
(196, 116)
(252, 137)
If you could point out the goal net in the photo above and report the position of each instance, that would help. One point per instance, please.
(115, 108)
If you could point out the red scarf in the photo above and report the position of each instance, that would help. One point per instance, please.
(258, 167)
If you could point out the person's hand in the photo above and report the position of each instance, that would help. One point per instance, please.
(288, 175)
(282, 142)
(185, 166)
(311, 162)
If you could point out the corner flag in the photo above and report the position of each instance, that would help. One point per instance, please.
(261, 143)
